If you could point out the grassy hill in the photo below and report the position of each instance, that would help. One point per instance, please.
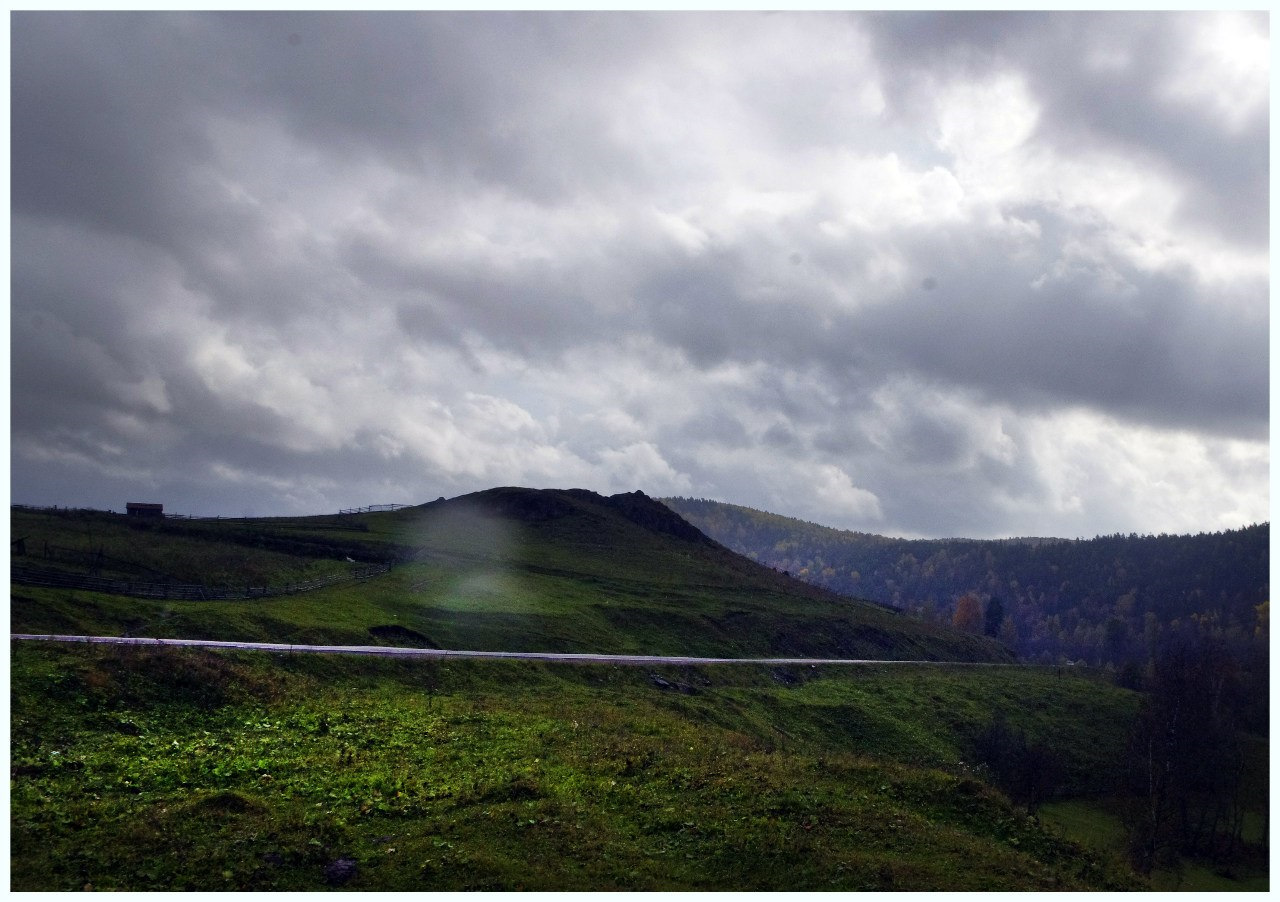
(506, 570)
(173, 769)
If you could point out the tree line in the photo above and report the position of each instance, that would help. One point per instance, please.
(1192, 778)
(1107, 601)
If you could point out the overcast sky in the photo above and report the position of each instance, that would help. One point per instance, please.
(912, 274)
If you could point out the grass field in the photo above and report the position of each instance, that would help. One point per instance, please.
(178, 769)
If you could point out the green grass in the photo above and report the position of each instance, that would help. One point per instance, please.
(1088, 822)
(181, 769)
(213, 553)
(1094, 823)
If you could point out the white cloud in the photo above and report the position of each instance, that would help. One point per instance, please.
(834, 493)
(1108, 477)
(1227, 67)
(982, 123)
(642, 465)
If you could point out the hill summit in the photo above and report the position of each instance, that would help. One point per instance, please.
(538, 505)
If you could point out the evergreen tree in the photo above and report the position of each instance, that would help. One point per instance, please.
(994, 618)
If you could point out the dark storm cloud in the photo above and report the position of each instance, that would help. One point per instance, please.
(116, 112)
(100, 112)
(1102, 334)
(716, 427)
(533, 309)
(294, 261)
(482, 98)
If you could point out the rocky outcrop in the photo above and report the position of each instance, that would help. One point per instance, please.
(539, 505)
(654, 515)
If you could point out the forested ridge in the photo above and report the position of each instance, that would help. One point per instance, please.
(1110, 600)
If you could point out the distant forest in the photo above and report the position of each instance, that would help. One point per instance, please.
(1108, 601)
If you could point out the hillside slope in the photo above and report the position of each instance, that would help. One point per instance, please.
(508, 569)
(1105, 600)
(180, 770)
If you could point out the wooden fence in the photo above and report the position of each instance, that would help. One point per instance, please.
(38, 576)
(372, 508)
(71, 511)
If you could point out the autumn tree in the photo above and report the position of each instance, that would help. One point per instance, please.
(968, 614)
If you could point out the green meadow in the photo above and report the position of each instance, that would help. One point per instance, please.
(184, 769)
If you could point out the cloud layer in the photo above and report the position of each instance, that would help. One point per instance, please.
(909, 273)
